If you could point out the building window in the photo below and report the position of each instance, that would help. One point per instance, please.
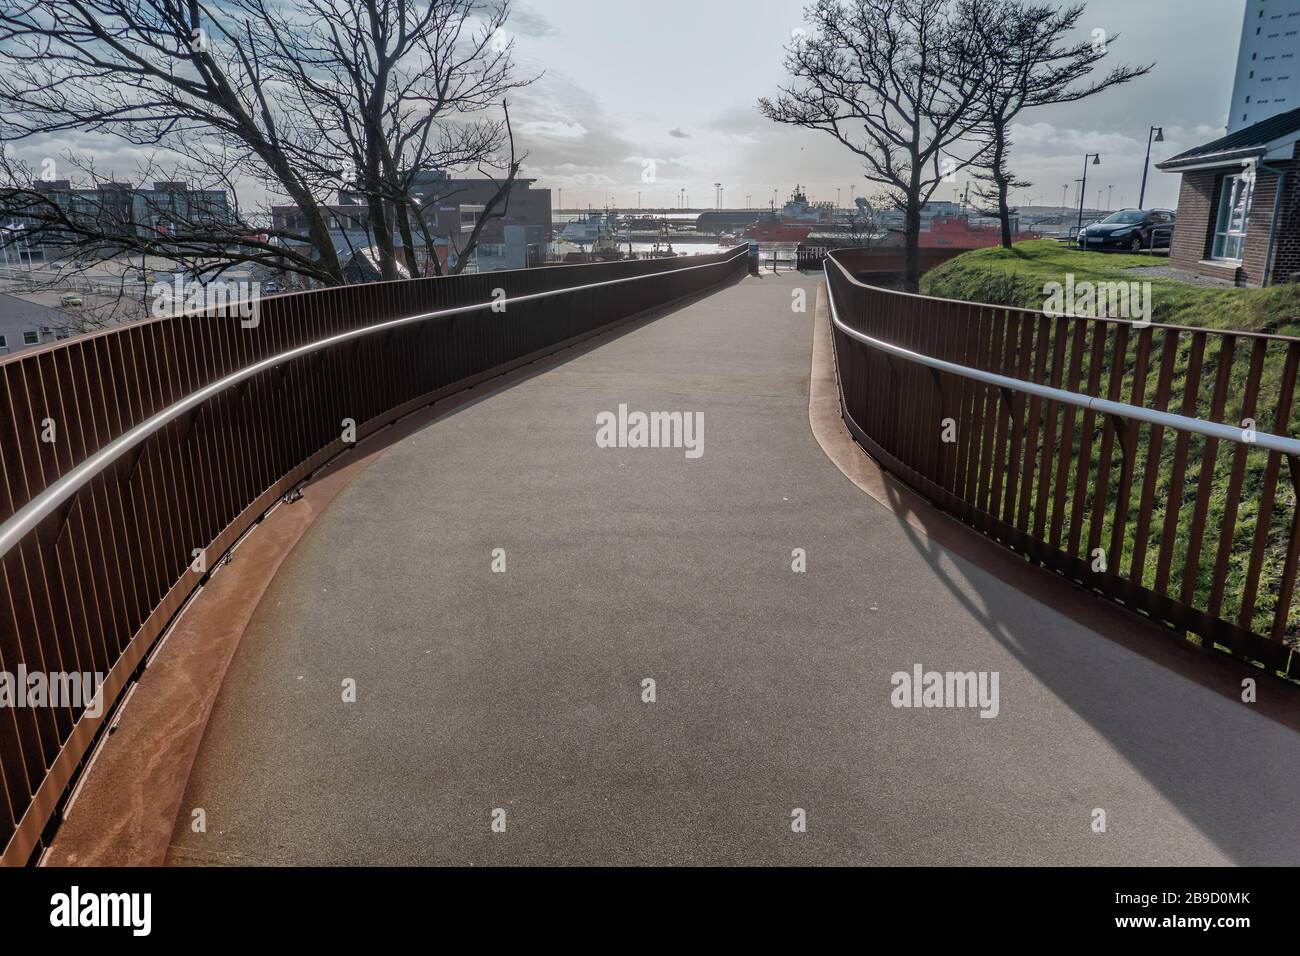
(1234, 217)
(31, 337)
(4, 344)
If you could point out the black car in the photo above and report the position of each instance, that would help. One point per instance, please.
(1130, 229)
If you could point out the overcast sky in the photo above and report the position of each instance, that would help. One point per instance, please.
(676, 81)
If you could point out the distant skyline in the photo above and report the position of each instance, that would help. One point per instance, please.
(676, 82)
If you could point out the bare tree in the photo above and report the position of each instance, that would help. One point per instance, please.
(897, 82)
(177, 75)
(1030, 62)
(300, 98)
(395, 88)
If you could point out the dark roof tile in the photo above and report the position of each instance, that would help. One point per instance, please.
(1244, 140)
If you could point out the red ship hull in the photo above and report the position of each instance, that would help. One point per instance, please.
(777, 232)
(959, 234)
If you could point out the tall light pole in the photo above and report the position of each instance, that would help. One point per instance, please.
(1110, 196)
(1065, 196)
(1083, 188)
(1158, 132)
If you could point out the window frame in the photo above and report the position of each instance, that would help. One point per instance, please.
(1230, 230)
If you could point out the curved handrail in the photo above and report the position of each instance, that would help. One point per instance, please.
(29, 516)
(1278, 443)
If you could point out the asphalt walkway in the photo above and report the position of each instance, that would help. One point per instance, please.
(523, 691)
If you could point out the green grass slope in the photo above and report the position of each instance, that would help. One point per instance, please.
(1016, 277)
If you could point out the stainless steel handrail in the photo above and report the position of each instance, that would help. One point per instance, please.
(1234, 433)
(29, 516)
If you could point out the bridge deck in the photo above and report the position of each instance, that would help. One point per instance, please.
(522, 690)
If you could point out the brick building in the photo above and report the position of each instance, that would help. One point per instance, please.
(451, 207)
(452, 203)
(1239, 205)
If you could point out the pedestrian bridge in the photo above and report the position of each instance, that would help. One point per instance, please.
(588, 564)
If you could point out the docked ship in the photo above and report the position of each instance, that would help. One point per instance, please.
(797, 218)
(592, 227)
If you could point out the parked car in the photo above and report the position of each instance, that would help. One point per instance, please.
(1131, 229)
(70, 300)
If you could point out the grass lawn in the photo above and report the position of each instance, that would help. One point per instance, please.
(1016, 277)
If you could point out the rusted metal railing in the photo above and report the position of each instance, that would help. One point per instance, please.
(134, 458)
(1143, 461)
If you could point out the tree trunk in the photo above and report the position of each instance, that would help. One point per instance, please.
(383, 233)
(1002, 180)
(317, 230)
(1004, 213)
(408, 242)
(912, 243)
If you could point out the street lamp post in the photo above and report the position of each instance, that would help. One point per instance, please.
(1159, 133)
(1083, 188)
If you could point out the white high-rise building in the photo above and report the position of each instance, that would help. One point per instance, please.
(1268, 63)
